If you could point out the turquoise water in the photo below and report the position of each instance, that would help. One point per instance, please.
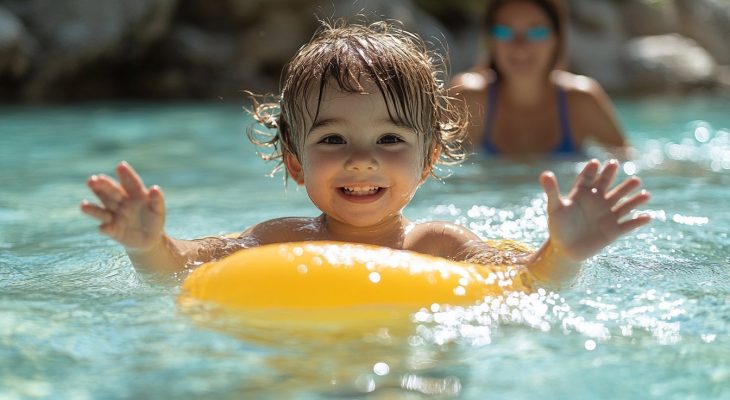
(649, 317)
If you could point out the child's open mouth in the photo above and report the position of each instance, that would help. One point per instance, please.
(362, 193)
(360, 190)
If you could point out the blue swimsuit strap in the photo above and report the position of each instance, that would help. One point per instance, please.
(566, 134)
(487, 146)
(566, 145)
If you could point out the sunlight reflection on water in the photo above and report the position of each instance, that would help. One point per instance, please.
(652, 311)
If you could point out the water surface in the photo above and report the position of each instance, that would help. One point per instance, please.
(649, 317)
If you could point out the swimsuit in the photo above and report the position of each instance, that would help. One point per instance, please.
(566, 145)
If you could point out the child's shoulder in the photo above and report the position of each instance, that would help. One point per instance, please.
(455, 242)
(285, 229)
(440, 238)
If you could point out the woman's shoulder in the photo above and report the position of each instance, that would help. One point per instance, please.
(591, 109)
(575, 85)
(473, 81)
(584, 93)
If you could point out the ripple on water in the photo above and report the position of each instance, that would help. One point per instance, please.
(652, 311)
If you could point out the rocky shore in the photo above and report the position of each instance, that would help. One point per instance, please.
(74, 50)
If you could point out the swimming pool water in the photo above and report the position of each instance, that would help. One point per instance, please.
(649, 317)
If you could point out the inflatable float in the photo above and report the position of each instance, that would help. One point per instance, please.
(308, 277)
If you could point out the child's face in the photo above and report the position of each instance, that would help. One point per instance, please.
(357, 165)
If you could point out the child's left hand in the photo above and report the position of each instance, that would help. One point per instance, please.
(592, 216)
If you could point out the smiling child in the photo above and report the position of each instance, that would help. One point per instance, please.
(362, 118)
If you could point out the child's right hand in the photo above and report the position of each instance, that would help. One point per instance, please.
(131, 213)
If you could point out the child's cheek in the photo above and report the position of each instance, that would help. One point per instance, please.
(407, 163)
(316, 161)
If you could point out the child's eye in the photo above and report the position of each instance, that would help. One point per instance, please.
(389, 139)
(332, 139)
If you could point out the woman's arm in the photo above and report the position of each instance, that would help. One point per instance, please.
(593, 115)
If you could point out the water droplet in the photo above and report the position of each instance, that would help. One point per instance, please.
(381, 369)
(629, 168)
(702, 133)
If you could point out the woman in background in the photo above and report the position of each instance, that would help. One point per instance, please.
(521, 103)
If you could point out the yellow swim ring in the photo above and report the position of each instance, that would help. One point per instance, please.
(317, 276)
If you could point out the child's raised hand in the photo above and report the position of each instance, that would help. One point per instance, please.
(593, 215)
(130, 213)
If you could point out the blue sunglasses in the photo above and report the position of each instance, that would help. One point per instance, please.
(504, 33)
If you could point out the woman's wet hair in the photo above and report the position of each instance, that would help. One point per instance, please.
(553, 9)
(410, 77)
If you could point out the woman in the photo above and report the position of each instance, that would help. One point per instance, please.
(521, 104)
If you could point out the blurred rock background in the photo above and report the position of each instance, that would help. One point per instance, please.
(74, 50)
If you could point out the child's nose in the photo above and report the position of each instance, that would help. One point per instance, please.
(361, 160)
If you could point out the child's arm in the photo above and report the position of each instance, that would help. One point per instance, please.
(592, 216)
(134, 216)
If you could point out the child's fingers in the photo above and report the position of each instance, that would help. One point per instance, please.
(157, 200)
(634, 223)
(550, 185)
(606, 177)
(108, 228)
(587, 177)
(623, 189)
(109, 185)
(96, 212)
(131, 182)
(107, 190)
(630, 204)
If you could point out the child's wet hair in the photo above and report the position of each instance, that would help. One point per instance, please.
(409, 76)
